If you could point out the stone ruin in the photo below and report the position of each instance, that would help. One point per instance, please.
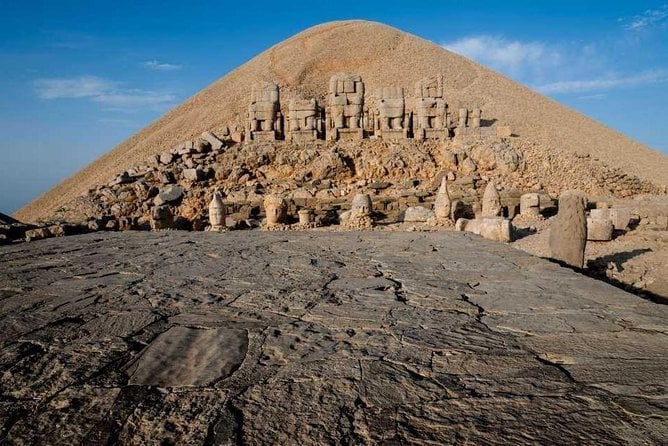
(493, 228)
(276, 210)
(346, 118)
(443, 203)
(264, 113)
(359, 215)
(305, 121)
(489, 222)
(568, 233)
(391, 120)
(345, 109)
(599, 225)
(431, 110)
(530, 206)
(217, 213)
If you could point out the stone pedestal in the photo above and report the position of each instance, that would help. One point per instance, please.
(423, 134)
(393, 134)
(599, 230)
(348, 134)
(302, 135)
(259, 135)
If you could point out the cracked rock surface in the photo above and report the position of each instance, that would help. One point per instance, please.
(320, 338)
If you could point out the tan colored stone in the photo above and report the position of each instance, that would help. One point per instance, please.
(599, 230)
(305, 216)
(344, 112)
(530, 205)
(568, 233)
(431, 110)
(359, 215)
(304, 120)
(492, 228)
(265, 122)
(391, 120)
(275, 208)
(443, 202)
(620, 218)
(468, 166)
(217, 212)
(491, 201)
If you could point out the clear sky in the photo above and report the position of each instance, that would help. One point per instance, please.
(78, 77)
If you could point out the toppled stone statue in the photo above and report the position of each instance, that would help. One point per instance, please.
(359, 215)
(161, 218)
(443, 204)
(276, 210)
(304, 120)
(492, 228)
(431, 110)
(568, 233)
(264, 113)
(391, 117)
(217, 212)
(345, 110)
(491, 201)
(419, 214)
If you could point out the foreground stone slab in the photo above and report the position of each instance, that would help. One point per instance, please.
(184, 356)
(320, 337)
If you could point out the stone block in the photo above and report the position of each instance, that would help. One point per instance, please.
(193, 174)
(349, 134)
(393, 135)
(620, 218)
(298, 136)
(492, 228)
(166, 158)
(216, 143)
(268, 135)
(599, 214)
(418, 214)
(599, 230)
(168, 194)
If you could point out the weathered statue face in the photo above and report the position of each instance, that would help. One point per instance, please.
(275, 209)
(217, 210)
(361, 205)
(217, 217)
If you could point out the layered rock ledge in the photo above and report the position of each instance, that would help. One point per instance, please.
(205, 338)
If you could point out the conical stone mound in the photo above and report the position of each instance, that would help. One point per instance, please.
(302, 66)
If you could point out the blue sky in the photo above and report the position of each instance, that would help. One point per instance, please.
(78, 77)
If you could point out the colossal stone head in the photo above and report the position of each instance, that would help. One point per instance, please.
(217, 211)
(361, 205)
(276, 209)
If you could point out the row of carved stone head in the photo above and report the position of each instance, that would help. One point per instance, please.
(346, 117)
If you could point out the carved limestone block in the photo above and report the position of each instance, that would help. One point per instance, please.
(345, 108)
(264, 113)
